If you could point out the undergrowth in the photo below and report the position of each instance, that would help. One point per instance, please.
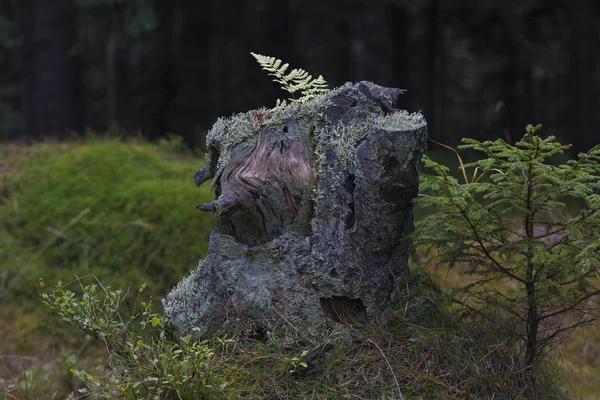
(438, 358)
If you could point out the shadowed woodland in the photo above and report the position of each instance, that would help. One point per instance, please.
(119, 210)
(482, 69)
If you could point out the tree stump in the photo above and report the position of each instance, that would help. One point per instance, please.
(313, 206)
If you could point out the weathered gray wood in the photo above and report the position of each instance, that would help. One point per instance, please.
(313, 205)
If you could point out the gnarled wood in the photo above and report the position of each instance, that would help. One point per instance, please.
(313, 205)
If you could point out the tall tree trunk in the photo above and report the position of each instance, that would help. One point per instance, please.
(584, 101)
(441, 92)
(533, 326)
(77, 73)
(274, 23)
(49, 106)
(342, 50)
(192, 104)
(399, 23)
(324, 39)
(509, 85)
(229, 56)
(111, 79)
(279, 30)
(432, 46)
(371, 49)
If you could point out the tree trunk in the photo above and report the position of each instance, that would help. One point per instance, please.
(313, 205)
(399, 22)
(533, 323)
(509, 86)
(323, 38)
(432, 50)
(584, 99)
(191, 104)
(111, 79)
(48, 30)
(371, 49)
(533, 317)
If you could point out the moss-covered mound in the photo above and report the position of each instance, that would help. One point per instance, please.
(124, 211)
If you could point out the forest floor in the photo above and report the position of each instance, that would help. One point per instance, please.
(124, 211)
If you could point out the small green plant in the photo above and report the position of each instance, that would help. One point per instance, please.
(297, 80)
(510, 223)
(142, 362)
(297, 363)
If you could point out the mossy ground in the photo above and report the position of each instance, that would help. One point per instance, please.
(141, 227)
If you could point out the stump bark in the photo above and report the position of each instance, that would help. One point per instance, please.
(313, 204)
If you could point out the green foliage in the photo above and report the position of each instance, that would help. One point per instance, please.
(141, 362)
(510, 221)
(125, 211)
(297, 363)
(297, 80)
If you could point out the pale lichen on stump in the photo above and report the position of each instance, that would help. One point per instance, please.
(313, 206)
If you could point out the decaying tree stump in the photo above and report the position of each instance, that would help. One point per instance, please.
(313, 205)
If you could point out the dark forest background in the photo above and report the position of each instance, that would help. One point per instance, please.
(474, 68)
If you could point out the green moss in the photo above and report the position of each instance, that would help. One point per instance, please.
(123, 211)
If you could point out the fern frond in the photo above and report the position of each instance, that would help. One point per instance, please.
(297, 80)
(271, 65)
(279, 105)
(316, 86)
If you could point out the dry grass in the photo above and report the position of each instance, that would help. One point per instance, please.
(439, 358)
(578, 355)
